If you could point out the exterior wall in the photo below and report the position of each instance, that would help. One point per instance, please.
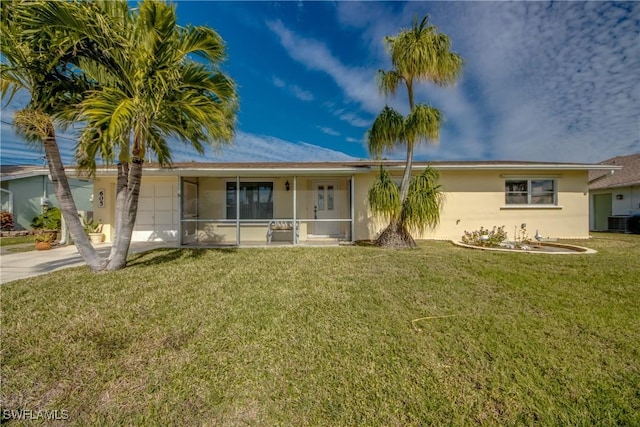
(106, 214)
(29, 192)
(476, 199)
(630, 202)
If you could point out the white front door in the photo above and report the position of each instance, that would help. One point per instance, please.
(157, 217)
(325, 207)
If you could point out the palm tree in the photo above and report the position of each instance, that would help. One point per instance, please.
(147, 90)
(40, 69)
(418, 54)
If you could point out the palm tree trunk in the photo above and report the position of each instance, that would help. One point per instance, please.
(406, 177)
(67, 205)
(121, 195)
(395, 236)
(127, 193)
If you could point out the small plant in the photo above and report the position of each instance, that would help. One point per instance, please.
(485, 237)
(6, 220)
(92, 226)
(523, 236)
(50, 219)
(46, 236)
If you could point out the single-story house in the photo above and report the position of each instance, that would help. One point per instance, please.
(244, 203)
(615, 194)
(25, 190)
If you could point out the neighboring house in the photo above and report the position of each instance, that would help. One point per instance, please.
(241, 203)
(615, 195)
(25, 189)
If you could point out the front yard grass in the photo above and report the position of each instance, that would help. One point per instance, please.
(16, 240)
(440, 335)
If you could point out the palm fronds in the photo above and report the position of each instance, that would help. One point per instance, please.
(422, 207)
(387, 131)
(418, 54)
(384, 196)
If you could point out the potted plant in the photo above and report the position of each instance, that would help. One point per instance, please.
(94, 230)
(44, 238)
(46, 226)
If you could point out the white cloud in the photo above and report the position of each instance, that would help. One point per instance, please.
(301, 94)
(245, 148)
(277, 82)
(542, 81)
(249, 147)
(360, 87)
(560, 81)
(295, 90)
(14, 150)
(358, 84)
(355, 120)
(329, 131)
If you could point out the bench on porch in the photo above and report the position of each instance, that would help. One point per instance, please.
(283, 225)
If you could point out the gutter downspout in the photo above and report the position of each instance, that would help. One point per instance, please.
(65, 233)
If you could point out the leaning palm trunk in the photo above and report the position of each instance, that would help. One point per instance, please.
(127, 192)
(67, 205)
(144, 82)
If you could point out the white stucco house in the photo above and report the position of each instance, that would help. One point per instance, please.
(245, 203)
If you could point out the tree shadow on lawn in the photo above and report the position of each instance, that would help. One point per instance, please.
(166, 255)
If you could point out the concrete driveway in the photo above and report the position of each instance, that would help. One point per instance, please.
(20, 265)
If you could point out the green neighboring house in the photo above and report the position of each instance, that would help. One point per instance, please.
(24, 190)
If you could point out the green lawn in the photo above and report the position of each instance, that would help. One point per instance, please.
(15, 240)
(440, 335)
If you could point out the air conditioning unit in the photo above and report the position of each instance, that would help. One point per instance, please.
(619, 223)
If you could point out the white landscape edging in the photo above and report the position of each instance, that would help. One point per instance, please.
(579, 250)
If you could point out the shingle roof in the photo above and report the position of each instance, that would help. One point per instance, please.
(12, 172)
(627, 176)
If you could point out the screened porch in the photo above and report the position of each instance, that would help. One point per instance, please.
(235, 211)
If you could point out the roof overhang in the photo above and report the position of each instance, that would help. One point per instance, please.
(25, 174)
(343, 168)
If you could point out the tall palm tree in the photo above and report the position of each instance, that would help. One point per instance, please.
(38, 66)
(418, 54)
(147, 89)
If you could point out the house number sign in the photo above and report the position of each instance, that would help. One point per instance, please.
(101, 198)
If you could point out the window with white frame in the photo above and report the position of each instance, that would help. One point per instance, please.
(256, 200)
(530, 192)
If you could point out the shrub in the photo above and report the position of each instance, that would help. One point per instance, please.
(91, 226)
(45, 235)
(6, 220)
(50, 219)
(485, 237)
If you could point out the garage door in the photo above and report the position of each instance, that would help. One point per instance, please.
(157, 218)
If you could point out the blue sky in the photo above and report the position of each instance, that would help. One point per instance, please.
(542, 81)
